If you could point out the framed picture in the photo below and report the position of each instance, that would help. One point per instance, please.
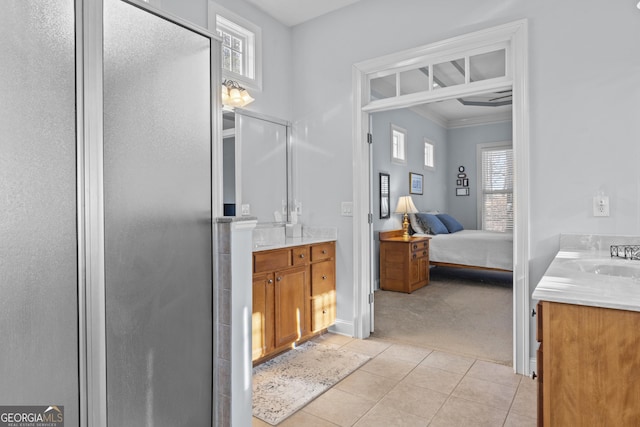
(465, 182)
(384, 196)
(459, 182)
(462, 191)
(415, 183)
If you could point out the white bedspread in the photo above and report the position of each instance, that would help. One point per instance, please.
(477, 248)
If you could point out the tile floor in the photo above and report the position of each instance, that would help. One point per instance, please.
(405, 385)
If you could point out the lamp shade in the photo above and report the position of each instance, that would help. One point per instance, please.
(405, 205)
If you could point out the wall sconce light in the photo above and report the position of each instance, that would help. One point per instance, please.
(405, 207)
(234, 95)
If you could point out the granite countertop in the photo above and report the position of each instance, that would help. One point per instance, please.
(291, 241)
(268, 237)
(586, 274)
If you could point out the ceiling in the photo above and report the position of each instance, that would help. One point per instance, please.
(294, 12)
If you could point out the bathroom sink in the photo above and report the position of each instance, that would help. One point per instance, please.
(629, 271)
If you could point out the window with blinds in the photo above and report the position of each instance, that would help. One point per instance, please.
(497, 189)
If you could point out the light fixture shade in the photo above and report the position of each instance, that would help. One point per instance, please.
(234, 95)
(405, 205)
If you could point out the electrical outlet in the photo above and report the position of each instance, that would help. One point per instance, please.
(246, 209)
(298, 207)
(601, 206)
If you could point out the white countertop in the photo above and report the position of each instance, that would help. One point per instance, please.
(590, 276)
(292, 241)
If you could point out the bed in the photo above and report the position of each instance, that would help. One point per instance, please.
(455, 247)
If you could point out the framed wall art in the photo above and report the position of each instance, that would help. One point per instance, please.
(415, 183)
(384, 196)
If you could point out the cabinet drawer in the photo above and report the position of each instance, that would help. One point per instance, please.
(271, 260)
(419, 246)
(323, 311)
(300, 255)
(323, 251)
(323, 278)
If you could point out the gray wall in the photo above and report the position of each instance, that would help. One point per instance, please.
(462, 151)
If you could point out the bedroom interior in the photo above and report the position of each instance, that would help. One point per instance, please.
(453, 312)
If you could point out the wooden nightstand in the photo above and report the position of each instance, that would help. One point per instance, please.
(404, 264)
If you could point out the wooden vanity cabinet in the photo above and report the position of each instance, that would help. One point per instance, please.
(589, 370)
(293, 296)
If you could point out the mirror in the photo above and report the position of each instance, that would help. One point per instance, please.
(256, 166)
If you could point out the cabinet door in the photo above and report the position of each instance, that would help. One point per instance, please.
(291, 298)
(323, 295)
(262, 316)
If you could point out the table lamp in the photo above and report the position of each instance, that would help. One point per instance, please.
(405, 207)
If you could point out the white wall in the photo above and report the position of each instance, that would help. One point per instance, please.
(462, 148)
(584, 101)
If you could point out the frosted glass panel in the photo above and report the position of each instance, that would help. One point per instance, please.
(263, 170)
(158, 248)
(38, 250)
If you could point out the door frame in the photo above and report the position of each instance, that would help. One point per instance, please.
(515, 37)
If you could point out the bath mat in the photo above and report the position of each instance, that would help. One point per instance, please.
(288, 382)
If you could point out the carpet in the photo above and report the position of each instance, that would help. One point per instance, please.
(289, 381)
(468, 312)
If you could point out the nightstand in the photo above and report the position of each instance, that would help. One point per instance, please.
(404, 264)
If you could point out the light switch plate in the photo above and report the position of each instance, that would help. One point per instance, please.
(601, 206)
(246, 209)
(347, 209)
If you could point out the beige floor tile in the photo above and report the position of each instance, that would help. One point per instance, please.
(257, 422)
(384, 414)
(517, 420)
(367, 385)
(302, 418)
(526, 400)
(405, 352)
(459, 412)
(390, 368)
(448, 362)
(369, 347)
(333, 340)
(415, 400)
(339, 407)
(496, 395)
(433, 379)
(494, 372)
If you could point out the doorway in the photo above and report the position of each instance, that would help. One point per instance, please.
(513, 38)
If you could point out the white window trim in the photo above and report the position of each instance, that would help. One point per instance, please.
(479, 148)
(256, 82)
(433, 155)
(397, 160)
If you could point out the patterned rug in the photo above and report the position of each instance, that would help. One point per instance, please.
(288, 382)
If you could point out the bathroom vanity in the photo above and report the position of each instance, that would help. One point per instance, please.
(588, 327)
(294, 293)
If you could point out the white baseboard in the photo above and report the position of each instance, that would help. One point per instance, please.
(342, 327)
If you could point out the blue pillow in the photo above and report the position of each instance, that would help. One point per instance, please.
(450, 222)
(431, 224)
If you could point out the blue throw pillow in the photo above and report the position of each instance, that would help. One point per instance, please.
(431, 224)
(450, 222)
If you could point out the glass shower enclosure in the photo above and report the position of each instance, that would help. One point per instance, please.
(107, 188)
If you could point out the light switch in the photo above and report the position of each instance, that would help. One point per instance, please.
(347, 209)
(601, 205)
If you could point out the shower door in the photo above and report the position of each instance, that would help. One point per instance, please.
(157, 220)
(38, 230)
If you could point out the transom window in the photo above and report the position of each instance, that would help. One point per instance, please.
(240, 50)
(398, 145)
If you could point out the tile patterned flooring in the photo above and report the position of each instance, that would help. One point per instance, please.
(404, 385)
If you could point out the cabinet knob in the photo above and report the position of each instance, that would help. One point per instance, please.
(324, 311)
(324, 251)
(414, 256)
(301, 255)
(415, 246)
(279, 279)
(270, 281)
(324, 277)
(424, 253)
